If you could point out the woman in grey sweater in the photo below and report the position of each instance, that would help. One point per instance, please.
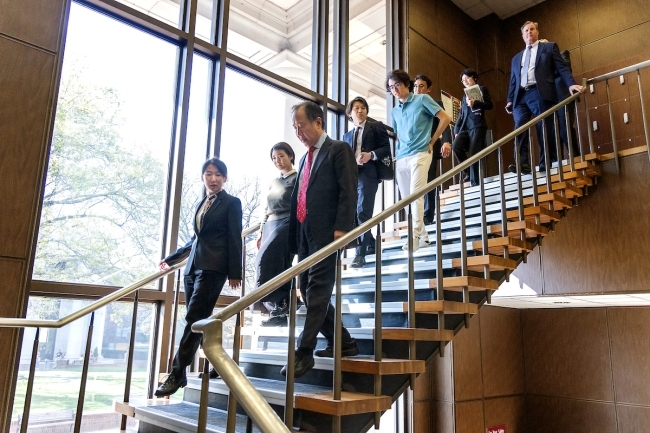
(273, 256)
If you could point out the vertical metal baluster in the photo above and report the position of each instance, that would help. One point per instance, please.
(411, 289)
(558, 149)
(453, 164)
(30, 383)
(580, 142)
(569, 138)
(484, 234)
(378, 317)
(84, 376)
(129, 362)
(533, 176)
(611, 123)
(504, 211)
(645, 120)
(440, 292)
(231, 421)
(520, 193)
(291, 355)
(549, 186)
(338, 336)
(590, 133)
(174, 321)
(203, 401)
(463, 246)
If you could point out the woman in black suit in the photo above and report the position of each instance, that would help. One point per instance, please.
(215, 254)
(471, 126)
(273, 257)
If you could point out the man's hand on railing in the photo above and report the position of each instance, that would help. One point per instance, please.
(576, 88)
(163, 266)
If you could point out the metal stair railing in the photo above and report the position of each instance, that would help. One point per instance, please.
(242, 389)
(6, 322)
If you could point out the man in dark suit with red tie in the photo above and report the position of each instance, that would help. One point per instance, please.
(322, 210)
(215, 254)
(532, 91)
(369, 143)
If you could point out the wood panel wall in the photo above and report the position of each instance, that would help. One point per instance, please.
(603, 245)
(587, 369)
(480, 381)
(30, 45)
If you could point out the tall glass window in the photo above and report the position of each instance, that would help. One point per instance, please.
(165, 11)
(368, 54)
(274, 34)
(250, 129)
(103, 199)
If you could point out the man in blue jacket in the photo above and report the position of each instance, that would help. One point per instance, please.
(532, 91)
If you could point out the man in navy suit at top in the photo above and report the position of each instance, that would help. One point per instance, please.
(532, 91)
(369, 142)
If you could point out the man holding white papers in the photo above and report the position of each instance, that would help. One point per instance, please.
(471, 126)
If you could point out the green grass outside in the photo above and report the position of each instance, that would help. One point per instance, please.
(58, 389)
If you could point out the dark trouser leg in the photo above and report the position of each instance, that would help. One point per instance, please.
(522, 114)
(477, 143)
(536, 106)
(430, 197)
(316, 287)
(367, 191)
(461, 146)
(202, 289)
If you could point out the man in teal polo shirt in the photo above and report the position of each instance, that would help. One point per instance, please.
(412, 122)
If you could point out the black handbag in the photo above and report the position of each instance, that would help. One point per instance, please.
(386, 168)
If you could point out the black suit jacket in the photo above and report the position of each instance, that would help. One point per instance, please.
(373, 139)
(548, 61)
(331, 195)
(218, 246)
(445, 137)
(473, 117)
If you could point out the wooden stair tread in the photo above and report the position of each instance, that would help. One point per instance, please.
(496, 245)
(580, 179)
(546, 215)
(514, 228)
(447, 307)
(350, 403)
(476, 263)
(569, 189)
(385, 367)
(558, 201)
(457, 283)
(416, 334)
(128, 408)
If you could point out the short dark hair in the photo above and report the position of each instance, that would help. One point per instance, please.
(423, 78)
(399, 76)
(530, 22)
(348, 109)
(312, 111)
(470, 73)
(218, 164)
(286, 148)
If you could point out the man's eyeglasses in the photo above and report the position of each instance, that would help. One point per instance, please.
(395, 86)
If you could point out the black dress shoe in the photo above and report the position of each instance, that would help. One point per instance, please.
(275, 321)
(213, 374)
(303, 364)
(358, 262)
(465, 177)
(525, 169)
(370, 249)
(170, 386)
(348, 348)
(542, 168)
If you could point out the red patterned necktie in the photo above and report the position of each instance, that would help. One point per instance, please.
(304, 183)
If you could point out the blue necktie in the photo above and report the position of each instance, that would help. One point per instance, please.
(524, 70)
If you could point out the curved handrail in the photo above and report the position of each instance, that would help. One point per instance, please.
(618, 72)
(255, 406)
(6, 322)
(271, 285)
